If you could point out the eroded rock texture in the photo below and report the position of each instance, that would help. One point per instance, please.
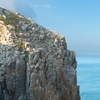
(34, 62)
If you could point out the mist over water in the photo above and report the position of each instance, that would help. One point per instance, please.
(88, 72)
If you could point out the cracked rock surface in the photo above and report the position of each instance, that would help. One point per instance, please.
(34, 61)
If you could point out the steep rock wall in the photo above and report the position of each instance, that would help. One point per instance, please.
(34, 62)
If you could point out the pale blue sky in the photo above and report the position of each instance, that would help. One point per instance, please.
(77, 20)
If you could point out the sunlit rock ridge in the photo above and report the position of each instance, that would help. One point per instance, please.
(34, 61)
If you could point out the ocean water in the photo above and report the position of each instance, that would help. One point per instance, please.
(88, 76)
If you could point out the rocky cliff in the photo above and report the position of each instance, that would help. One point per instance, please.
(34, 62)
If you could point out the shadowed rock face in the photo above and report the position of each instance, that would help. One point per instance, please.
(34, 62)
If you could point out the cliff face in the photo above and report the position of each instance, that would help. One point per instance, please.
(34, 62)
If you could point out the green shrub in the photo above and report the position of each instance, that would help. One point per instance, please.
(11, 19)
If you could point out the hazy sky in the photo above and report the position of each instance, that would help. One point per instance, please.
(77, 20)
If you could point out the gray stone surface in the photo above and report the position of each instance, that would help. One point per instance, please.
(34, 62)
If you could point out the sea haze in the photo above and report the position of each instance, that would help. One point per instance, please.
(88, 74)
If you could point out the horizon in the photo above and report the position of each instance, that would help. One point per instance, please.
(78, 21)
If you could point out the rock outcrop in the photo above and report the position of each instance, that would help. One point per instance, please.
(34, 62)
